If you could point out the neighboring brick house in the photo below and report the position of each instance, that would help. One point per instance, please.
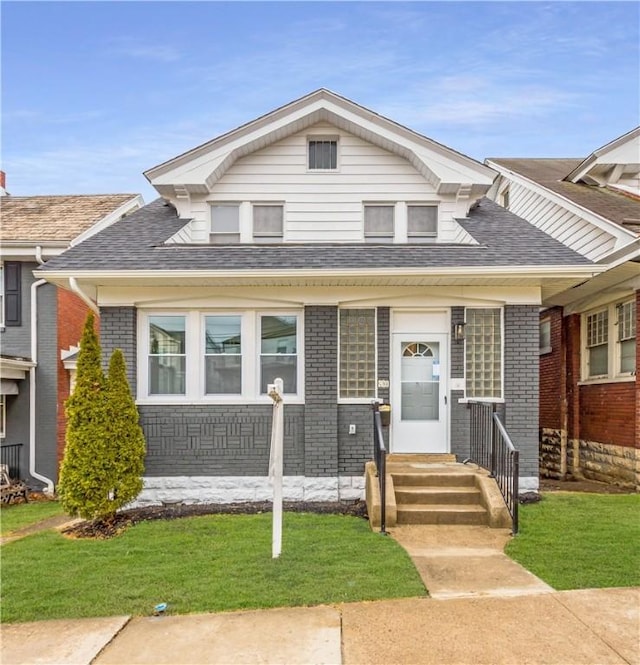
(37, 360)
(329, 246)
(589, 358)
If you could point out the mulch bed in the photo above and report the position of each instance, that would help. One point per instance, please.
(108, 528)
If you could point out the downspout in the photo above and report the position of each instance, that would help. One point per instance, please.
(73, 283)
(32, 380)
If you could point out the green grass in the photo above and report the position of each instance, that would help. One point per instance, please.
(204, 564)
(18, 515)
(581, 541)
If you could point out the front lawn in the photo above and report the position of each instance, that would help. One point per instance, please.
(18, 515)
(204, 564)
(580, 541)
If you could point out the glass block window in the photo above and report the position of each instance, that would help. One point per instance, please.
(627, 336)
(483, 353)
(223, 355)
(225, 224)
(167, 355)
(357, 354)
(323, 154)
(422, 222)
(598, 343)
(267, 223)
(279, 352)
(378, 223)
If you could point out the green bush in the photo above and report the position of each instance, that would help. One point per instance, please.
(104, 453)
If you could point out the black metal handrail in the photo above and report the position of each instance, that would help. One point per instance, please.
(493, 449)
(380, 457)
(10, 455)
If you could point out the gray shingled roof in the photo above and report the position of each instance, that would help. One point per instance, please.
(136, 243)
(615, 206)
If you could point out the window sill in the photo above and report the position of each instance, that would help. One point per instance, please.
(172, 400)
(488, 400)
(616, 379)
(547, 349)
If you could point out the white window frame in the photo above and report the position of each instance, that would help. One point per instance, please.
(195, 345)
(322, 138)
(225, 204)
(359, 400)
(546, 322)
(372, 237)
(266, 238)
(474, 398)
(415, 238)
(613, 345)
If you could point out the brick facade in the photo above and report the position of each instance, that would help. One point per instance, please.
(588, 430)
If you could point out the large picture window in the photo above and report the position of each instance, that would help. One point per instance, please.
(357, 354)
(223, 356)
(483, 354)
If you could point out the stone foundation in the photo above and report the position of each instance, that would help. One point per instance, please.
(607, 463)
(232, 489)
(561, 458)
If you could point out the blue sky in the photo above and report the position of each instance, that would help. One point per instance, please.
(94, 93)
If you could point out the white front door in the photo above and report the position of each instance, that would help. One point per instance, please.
(419, 393)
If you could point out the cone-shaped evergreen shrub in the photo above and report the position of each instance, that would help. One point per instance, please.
(85, 465)
(105, 447)
(126, 439)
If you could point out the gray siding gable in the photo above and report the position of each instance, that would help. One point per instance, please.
(137, 243)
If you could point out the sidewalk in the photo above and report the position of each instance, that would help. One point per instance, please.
(483, 608)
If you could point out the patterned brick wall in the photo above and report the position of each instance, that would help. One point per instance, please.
(354, 449)
(118, 331)
(459, 412)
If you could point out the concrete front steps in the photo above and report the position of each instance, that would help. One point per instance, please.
(435, 489)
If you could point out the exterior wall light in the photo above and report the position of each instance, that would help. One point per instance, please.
(458, 331)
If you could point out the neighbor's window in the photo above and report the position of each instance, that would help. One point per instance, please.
(3, 416)
(422, 222)
(357, 354)
(598, 343)
(167, 355)
(626, 321)
(545, 336)
(223, 355)
(483, 353)
(378, 223)
(225, 223)
(279, 352)
(323, 154)
(267, 222)
(1, 294)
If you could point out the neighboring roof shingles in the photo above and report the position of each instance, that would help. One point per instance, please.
(549, 173)
(136, 243)
(54, 218)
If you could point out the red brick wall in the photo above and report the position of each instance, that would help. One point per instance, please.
(572, 360)
(608, 413)
(72, 313)
(552, 375)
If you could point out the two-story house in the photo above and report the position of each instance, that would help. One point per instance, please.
(40, 324)
(344, 253)
(589, 358)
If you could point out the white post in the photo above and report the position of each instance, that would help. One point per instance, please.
(275, 391)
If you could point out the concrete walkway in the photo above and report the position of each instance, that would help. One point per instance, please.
(484, 608)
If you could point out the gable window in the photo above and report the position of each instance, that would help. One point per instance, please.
(378, 223)
(279, 352)
(225, 223)
(357, 348)
(422, 222)
(323, 154)
(267, 222)
(223, 355)
(167, 355)
(483, 353)
(598, 343)
(626, 321)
